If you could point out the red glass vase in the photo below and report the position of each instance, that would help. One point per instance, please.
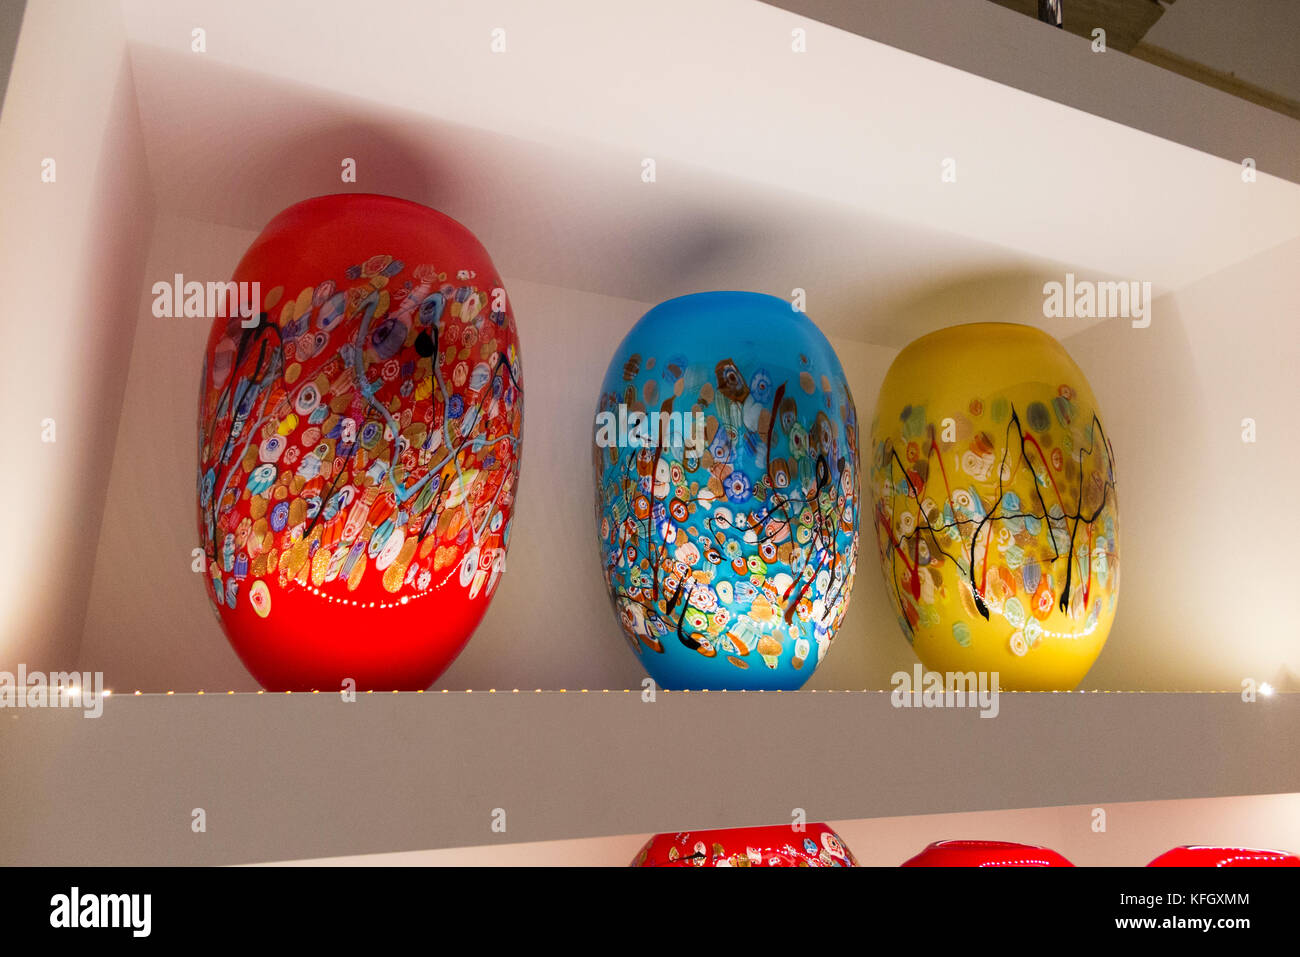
(816, 845)
(1197, 856)
(359, 438)
(986, 854)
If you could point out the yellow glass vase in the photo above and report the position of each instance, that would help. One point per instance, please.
(993, 486)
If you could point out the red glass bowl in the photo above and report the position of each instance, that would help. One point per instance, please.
(359, 446)
(816, 845)
(986, 854)
(1192, 855)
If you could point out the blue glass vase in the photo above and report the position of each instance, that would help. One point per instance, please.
(726, 470)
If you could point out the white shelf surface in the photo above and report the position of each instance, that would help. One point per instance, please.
(287, 777)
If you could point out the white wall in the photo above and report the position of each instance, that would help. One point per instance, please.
(1208, 594)
(70, 269)
(148, 624)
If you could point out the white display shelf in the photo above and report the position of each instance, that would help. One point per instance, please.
(774, 170)
(1253, 43)
(288, 777)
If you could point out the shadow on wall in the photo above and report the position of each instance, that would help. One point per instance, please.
(265, 144)
(1004, 295)
(242, 163)
(579, 216)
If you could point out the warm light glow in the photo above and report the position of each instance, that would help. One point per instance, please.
(1266, 689)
